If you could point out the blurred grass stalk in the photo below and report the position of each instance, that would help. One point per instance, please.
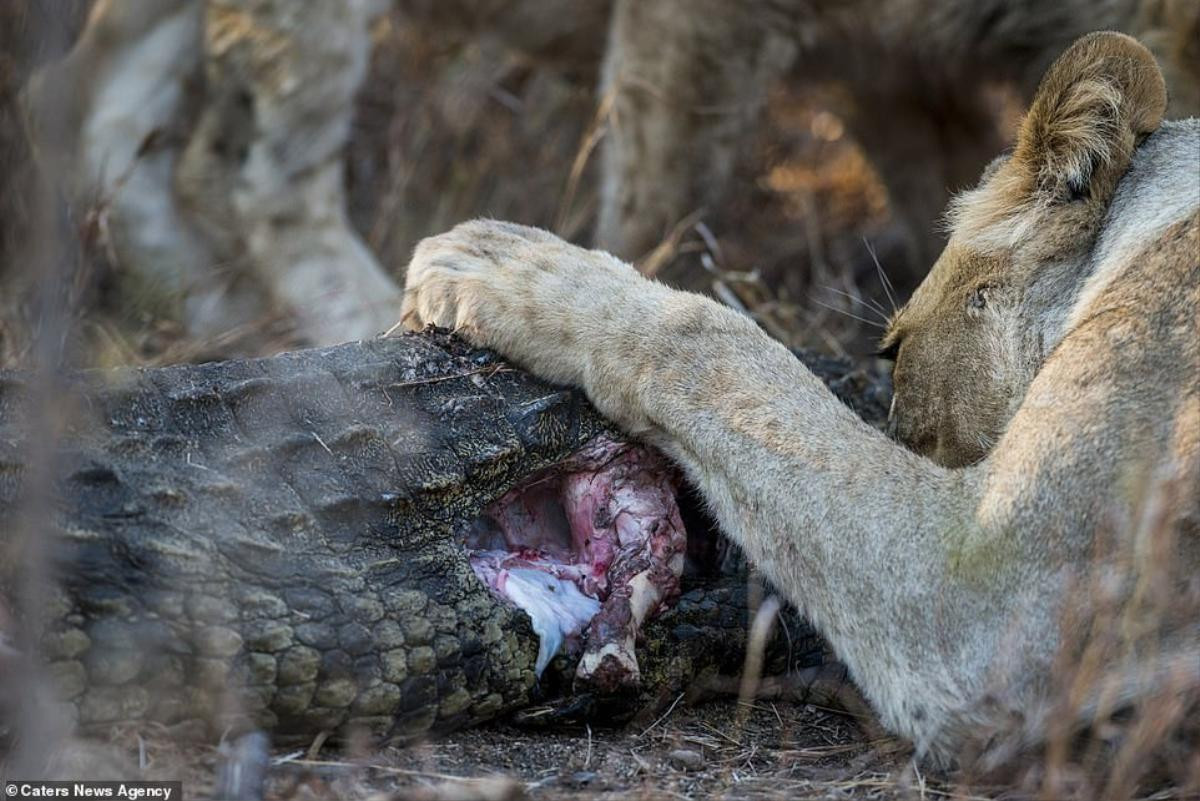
(49, 252)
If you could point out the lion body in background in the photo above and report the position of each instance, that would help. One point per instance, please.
(689, 78)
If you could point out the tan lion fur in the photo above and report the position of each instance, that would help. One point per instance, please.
(1047, 391)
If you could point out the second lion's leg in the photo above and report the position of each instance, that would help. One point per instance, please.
(262, 174)
(686, 80)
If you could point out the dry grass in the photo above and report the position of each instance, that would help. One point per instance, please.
(450, 129)
(1123, 709)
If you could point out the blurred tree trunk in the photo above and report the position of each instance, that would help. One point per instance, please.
(208, 150)
(31, 33)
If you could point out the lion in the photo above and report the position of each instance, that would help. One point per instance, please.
(688, 80)
(1045, 447)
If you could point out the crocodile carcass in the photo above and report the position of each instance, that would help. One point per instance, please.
(404, 535)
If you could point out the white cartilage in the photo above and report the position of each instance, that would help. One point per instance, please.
(557, 609)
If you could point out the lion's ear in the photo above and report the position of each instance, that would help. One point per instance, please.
(1097, 101)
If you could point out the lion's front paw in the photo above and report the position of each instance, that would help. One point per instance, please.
(519, 290)
(457, 279)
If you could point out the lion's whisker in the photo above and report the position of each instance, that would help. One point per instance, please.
(851, 315)
(886, 282)
(866, 303)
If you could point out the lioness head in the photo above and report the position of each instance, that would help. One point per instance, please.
(968, 343)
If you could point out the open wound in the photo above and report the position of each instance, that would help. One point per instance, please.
(588, 548)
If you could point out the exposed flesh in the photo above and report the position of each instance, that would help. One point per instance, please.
(588, 549)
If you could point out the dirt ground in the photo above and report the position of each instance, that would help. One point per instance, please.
(720, 749)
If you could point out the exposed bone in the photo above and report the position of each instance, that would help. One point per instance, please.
(595, 543)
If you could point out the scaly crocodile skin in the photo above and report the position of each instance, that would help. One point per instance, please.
(275, 543)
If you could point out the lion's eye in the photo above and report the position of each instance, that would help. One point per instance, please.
(889, 352)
